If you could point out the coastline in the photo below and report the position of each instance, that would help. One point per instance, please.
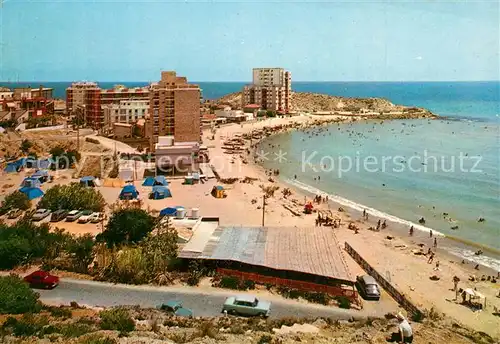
(410, 274)
(492, 264)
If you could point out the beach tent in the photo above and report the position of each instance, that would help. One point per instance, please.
(152, 181)
(11, 167)
(114, 182)
(88, 181)
(218, 192)
(170, 211)
(15, 166)
(46, 163)
(41, 175)
(32, 193)
(149, 181)
(129, 192)
(160, 192)
(161, 180)
(31, 182)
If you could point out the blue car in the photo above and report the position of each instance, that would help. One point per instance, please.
(175, 308)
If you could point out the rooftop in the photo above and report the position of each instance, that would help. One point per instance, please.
(312, 250)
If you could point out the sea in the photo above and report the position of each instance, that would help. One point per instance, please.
(446, 171)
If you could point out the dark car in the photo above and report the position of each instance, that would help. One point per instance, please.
(58, 215)
(368, 287)
(42, 279)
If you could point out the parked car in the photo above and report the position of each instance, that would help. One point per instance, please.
(14, 213)
(84, 216)
(73, 215)
(40, 214)
(175, 308)
(368, 287)
(246, 305)
(96, 217)
(42, 279)
(58, 215)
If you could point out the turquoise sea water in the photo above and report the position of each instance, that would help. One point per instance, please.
(427, 190)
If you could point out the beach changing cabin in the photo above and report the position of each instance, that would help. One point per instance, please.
(160, 192)
(218, 191)
(129, 192)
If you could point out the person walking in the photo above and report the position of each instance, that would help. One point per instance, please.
(430, 233)
(435, 243)
(411, 231)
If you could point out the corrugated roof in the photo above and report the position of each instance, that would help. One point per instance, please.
(313, 250)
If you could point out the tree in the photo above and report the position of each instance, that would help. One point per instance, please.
(64, 158)
(82, 250)
(16, 200)
(158, 250)
(117, 319)
(72, 196)
(127, 225)
(271, 113)
(26, 145)
(17, 297)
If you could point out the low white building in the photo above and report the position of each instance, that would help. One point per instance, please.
(126, 111)
(181, 156)
(231, 115)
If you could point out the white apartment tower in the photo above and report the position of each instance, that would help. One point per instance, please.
(270, 89)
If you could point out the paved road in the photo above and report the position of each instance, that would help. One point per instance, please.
(202, 302)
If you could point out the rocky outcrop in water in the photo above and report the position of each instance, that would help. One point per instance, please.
(317, 103)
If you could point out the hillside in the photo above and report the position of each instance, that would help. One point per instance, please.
(320, 103)
(146, 326)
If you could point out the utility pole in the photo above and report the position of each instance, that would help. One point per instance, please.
(263, 209)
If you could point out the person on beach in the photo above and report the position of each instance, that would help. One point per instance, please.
(384, 225)
(404, 333)
(437, 266)
(411, 231)
(435, 243)
(378, 224)
(430, 233)
(431, 258)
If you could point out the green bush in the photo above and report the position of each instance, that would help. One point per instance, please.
(127, 225)
(117, 319)
(60, 312)
(97, 339)
(73, 330)
(27, 326)
(229, 282)
(248, 285)
(265, 339)
(344, 302)
(17, 297)
(72, 196)
(16, 200)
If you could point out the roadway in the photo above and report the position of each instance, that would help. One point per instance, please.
(203, 302)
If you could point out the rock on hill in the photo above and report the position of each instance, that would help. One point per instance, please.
(315, 102)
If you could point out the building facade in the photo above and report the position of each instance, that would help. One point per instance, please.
(89, 98)
(270, 89)
(125, 111)
(174, 110)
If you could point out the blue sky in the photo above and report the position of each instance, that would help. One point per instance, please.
(222, 41)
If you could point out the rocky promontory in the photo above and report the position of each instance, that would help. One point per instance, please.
(323, 104)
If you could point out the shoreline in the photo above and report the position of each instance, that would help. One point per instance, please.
(341, 201)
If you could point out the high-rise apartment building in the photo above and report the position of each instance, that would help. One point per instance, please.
(76, 94)
(174, 109)
(270, 89)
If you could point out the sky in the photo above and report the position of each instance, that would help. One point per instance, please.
(68, 40)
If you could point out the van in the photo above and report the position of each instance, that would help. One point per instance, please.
(368, 287)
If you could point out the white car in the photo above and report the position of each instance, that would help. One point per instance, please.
(85, 217)
(96, 217)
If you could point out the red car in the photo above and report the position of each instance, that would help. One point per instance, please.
(42, 279)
